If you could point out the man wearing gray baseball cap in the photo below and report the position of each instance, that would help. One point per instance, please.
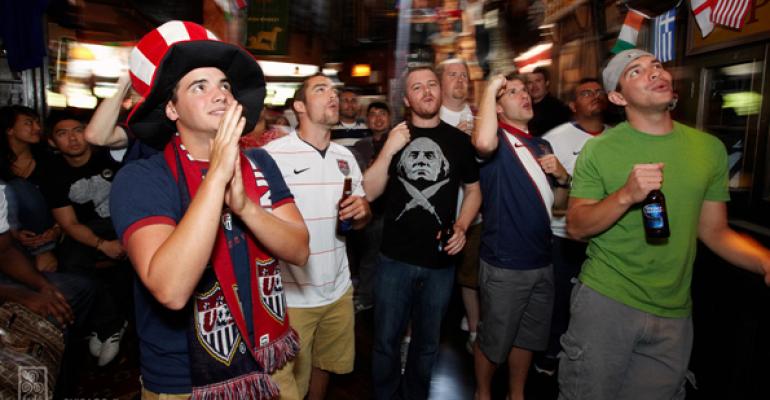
(630, 332)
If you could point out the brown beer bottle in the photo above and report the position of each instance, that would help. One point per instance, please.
(346, 225)
(655, 216)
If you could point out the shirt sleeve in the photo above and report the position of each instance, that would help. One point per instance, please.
(54, 188)
(586, 180)
(144, 193)
(358, 181)
(470, 172)
(279, 191)
(718, 189)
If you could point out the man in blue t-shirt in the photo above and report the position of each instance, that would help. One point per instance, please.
(518, 173)
(210, 310)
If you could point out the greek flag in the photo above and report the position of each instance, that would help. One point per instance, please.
(665, 29)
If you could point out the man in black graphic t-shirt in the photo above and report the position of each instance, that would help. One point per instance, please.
(419, 171)
(77, 189)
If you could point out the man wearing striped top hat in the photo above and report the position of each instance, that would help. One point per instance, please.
(210, 309)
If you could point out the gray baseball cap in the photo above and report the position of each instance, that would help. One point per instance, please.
(616, 66)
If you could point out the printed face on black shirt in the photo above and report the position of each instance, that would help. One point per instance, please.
(423, 159)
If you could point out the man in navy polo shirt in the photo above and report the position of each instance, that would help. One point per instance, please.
(521, 181)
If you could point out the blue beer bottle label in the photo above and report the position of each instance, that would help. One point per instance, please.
(653, 216)
(346, 225)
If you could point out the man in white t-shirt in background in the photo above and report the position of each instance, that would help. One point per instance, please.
(589, 100)
(350, 128)
(456, 111)
(320, 294)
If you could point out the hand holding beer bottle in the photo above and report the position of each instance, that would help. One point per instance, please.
(344, 226)
(643, 186)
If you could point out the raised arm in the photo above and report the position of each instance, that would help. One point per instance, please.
(376, 177)
(102, 129)
(740, 250)
(588, 217)
(484, 136)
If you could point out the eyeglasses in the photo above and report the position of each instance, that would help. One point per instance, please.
(512, 92)
(455, 75)
(591, 93)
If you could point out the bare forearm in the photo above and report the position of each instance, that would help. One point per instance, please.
(484, 136)
(470, 206)
(285, 239)
(738, 249)
(16, 266)
(81, 233)
(102, 129)
(184, 254)
(586, 220)
(560, 198)
(13, 293)
(376, 177)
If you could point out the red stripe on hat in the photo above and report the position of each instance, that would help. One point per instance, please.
(153, 46)
(142, 88)
(195, 31)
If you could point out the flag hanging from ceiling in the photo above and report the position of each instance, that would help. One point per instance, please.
(664, 26)
(730, 13)
(701, 9)
(629, 32)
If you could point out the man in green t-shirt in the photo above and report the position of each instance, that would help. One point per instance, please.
(630, 331)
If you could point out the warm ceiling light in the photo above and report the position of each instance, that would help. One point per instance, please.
(360, 70)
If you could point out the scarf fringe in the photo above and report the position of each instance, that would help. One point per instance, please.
(276, 354)
(255, 386)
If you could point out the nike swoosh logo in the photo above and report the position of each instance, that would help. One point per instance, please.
(518, 145)
(576, 152)
(299, 171)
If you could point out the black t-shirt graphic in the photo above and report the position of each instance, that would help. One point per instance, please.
(86, 188)
(421, 193)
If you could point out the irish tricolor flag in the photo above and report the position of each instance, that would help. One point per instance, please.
(629, 32)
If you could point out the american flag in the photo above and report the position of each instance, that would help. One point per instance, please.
(730, 13)
(665, 29)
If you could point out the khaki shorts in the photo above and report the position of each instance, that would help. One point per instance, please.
(468, 270)
(327, 339)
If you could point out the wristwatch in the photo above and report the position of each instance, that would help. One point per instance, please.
(566, 185)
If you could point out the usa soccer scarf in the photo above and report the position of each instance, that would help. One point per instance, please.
(225, 361)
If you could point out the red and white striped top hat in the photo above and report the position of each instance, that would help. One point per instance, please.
(164, 55)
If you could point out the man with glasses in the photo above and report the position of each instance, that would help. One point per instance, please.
(587, 104)
(521, 181)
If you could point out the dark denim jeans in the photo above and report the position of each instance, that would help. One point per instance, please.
(403, 293)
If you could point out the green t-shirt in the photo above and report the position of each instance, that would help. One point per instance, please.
(621, 264)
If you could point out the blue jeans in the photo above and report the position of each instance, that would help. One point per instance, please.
(403, 293)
